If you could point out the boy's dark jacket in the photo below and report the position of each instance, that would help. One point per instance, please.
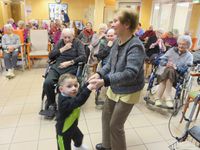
(67, 104)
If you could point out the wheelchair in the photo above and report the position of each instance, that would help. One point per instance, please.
(49, 112)
(183, 86)
(193, 132)
(197, 68)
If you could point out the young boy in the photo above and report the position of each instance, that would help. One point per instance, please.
(69, 101)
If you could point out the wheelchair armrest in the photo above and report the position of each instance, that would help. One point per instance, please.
(80, 69)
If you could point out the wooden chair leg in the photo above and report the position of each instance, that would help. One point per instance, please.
(185, 109)
(197, 112)
(29, 63)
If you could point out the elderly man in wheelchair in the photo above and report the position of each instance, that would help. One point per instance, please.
(173, 64)
(66, 55)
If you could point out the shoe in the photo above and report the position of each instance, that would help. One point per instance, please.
(158, 102)
(100, 147)
(8, 74)
(12, 73)
(82, 147)
(169, 103)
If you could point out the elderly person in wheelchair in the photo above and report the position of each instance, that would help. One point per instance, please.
(171, 63)
(66, 55)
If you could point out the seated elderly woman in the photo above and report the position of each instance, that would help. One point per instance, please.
(11, 47)
(67, 53)
(171, 61)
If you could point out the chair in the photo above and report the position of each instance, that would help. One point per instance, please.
(1, 56)
(190, 99)
(194, 43)
(39, 46)
(22, 54)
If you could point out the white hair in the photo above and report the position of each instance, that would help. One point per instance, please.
(103, 26)
(8, 27)
(67, 31)
(111, 31)
(185, 38)
(21, 23)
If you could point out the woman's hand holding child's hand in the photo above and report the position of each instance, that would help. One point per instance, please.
(91, 87)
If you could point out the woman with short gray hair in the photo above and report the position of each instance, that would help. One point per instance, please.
(10, 46)
(172, 61)
(187, 39)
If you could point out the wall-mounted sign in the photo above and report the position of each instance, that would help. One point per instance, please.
(55, 11)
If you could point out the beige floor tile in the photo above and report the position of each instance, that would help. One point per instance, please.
(49, 144)
(24, 146)
(95, 139)
(135, 111)
(18, 93)
(3, 101)
(12, 110)
(33, 99)
(9, 121)
(83, 126)
(26, 133)
(47, 131)
(36, 91)
(17, 100)
(4, 147)
(132, 138)
(31, 109)
(92, 113)
(139, 147)
(148, 134)
(157, 146)
(139, 120)
(6, 135)
(164, 131)
(157, 118)
(94, 125)
(29, 119)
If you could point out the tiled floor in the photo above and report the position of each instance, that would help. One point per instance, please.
(21, 128)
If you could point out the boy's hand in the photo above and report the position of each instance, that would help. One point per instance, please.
(91, 87)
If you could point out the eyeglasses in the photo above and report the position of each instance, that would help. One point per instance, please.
(67, 37)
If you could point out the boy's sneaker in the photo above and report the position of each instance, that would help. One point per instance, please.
(82, 147)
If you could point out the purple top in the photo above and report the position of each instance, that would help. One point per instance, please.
(171, 41)
(139, 32)
(56, 36)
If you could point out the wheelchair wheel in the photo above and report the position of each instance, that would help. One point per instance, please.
(186, 87)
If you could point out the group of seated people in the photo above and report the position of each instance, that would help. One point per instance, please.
(155, 42)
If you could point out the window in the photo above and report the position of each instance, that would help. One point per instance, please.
(165, 16)
(155, 16)
(181, 15)
(171, 16)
